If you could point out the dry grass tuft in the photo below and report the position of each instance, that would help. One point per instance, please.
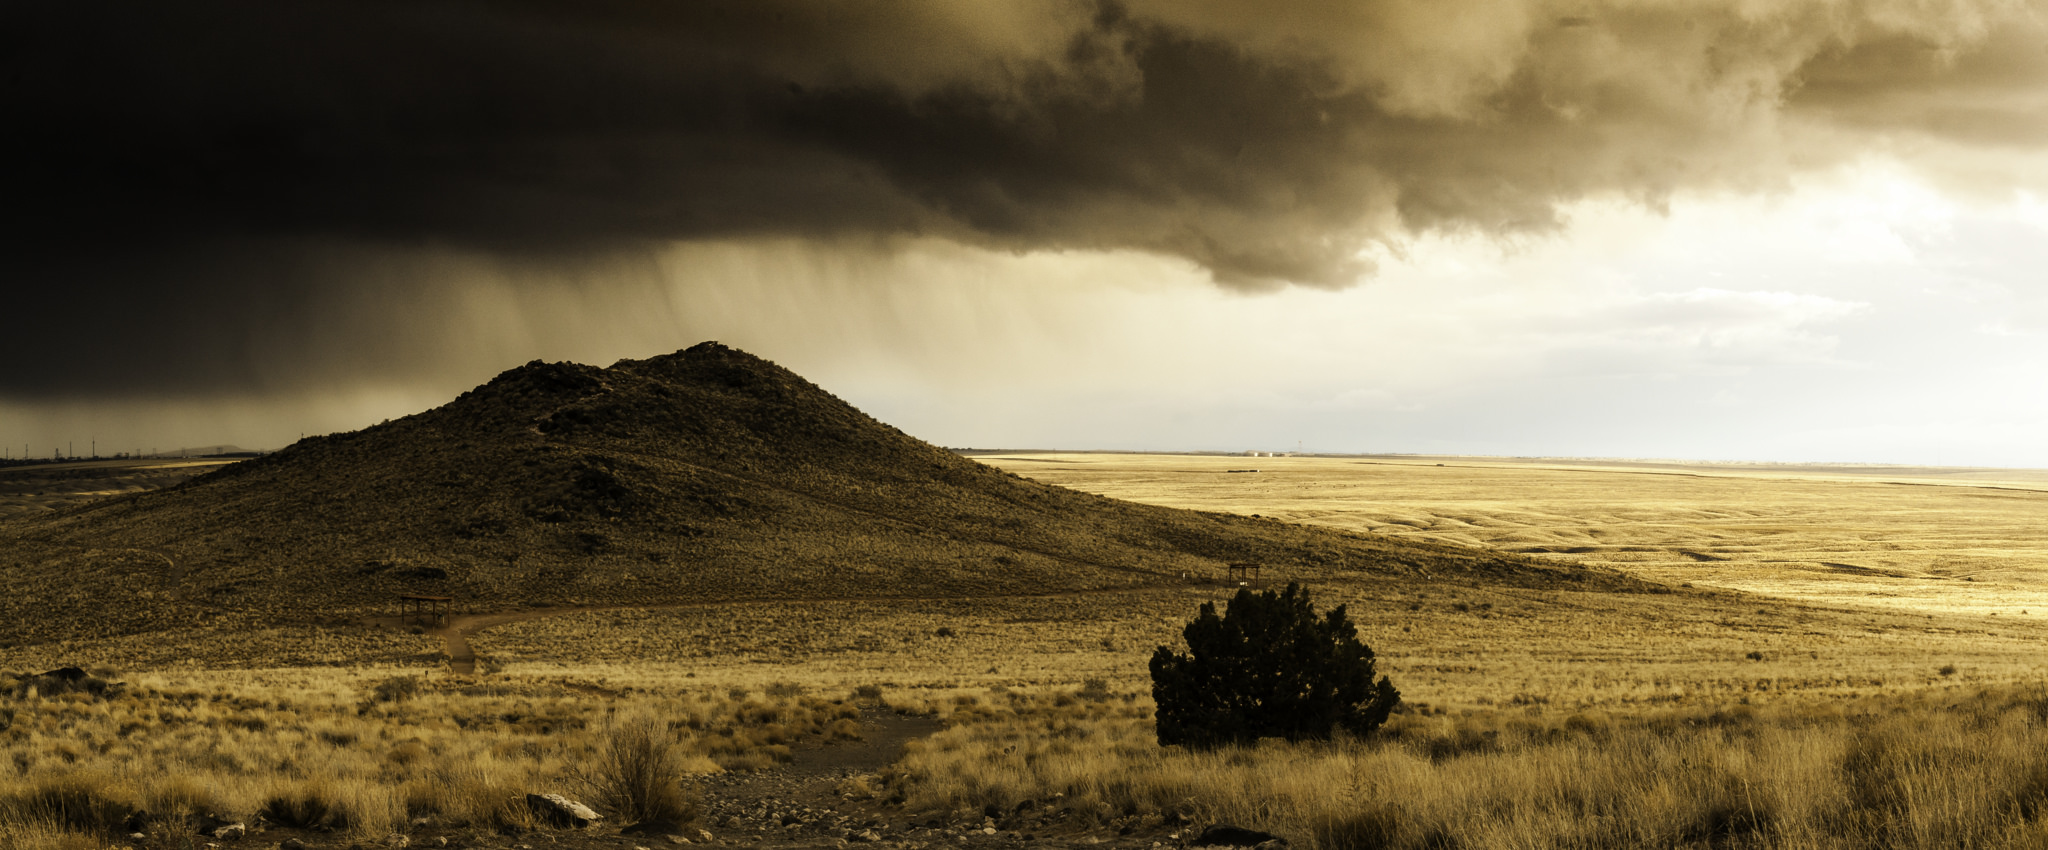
(307, 806)
(87, 800)
(638, 772)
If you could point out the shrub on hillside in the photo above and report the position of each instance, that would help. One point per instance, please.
(1267, 667)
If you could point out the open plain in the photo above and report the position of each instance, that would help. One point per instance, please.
(1919, 539)
(1591, 654)
(1777, 682)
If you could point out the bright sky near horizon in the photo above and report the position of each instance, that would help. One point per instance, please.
(1709, 229)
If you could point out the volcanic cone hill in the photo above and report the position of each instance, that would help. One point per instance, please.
(705, 475)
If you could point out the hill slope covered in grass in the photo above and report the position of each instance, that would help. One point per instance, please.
(704, 475)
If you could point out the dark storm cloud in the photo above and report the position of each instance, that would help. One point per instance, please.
(197, 185)
(1993, 94)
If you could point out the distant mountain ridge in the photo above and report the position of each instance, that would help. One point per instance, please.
(708, 474)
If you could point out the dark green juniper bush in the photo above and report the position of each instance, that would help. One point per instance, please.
(1268, 667)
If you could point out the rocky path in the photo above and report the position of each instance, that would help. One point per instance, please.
(805, 802)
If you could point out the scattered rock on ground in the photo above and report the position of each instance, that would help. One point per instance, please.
(562, 811)
(214, 827)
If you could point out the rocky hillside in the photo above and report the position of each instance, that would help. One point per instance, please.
(707, 474)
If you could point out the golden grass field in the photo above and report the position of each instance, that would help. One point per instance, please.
(1918, 539)
(1844, 658)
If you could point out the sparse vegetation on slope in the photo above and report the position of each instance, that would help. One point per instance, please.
(708, 474)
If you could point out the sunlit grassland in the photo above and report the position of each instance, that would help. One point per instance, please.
(366, 753)
(1908, 538)
(1833, 661)
(1448, 646)
(1930, 770)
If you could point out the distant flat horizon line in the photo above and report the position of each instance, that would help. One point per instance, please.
(1843, 466)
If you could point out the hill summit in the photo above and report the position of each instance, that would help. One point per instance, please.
(704, 475)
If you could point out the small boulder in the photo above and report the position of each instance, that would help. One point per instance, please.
(220, 828)
(561, 811)
(397, 840)
(1233, 836)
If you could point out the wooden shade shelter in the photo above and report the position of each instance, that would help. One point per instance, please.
(1244, 574)
(428, 609)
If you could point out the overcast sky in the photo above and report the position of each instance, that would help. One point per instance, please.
(1712, 229)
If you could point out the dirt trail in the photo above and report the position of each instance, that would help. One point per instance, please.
(831, 796)
(800, 803)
